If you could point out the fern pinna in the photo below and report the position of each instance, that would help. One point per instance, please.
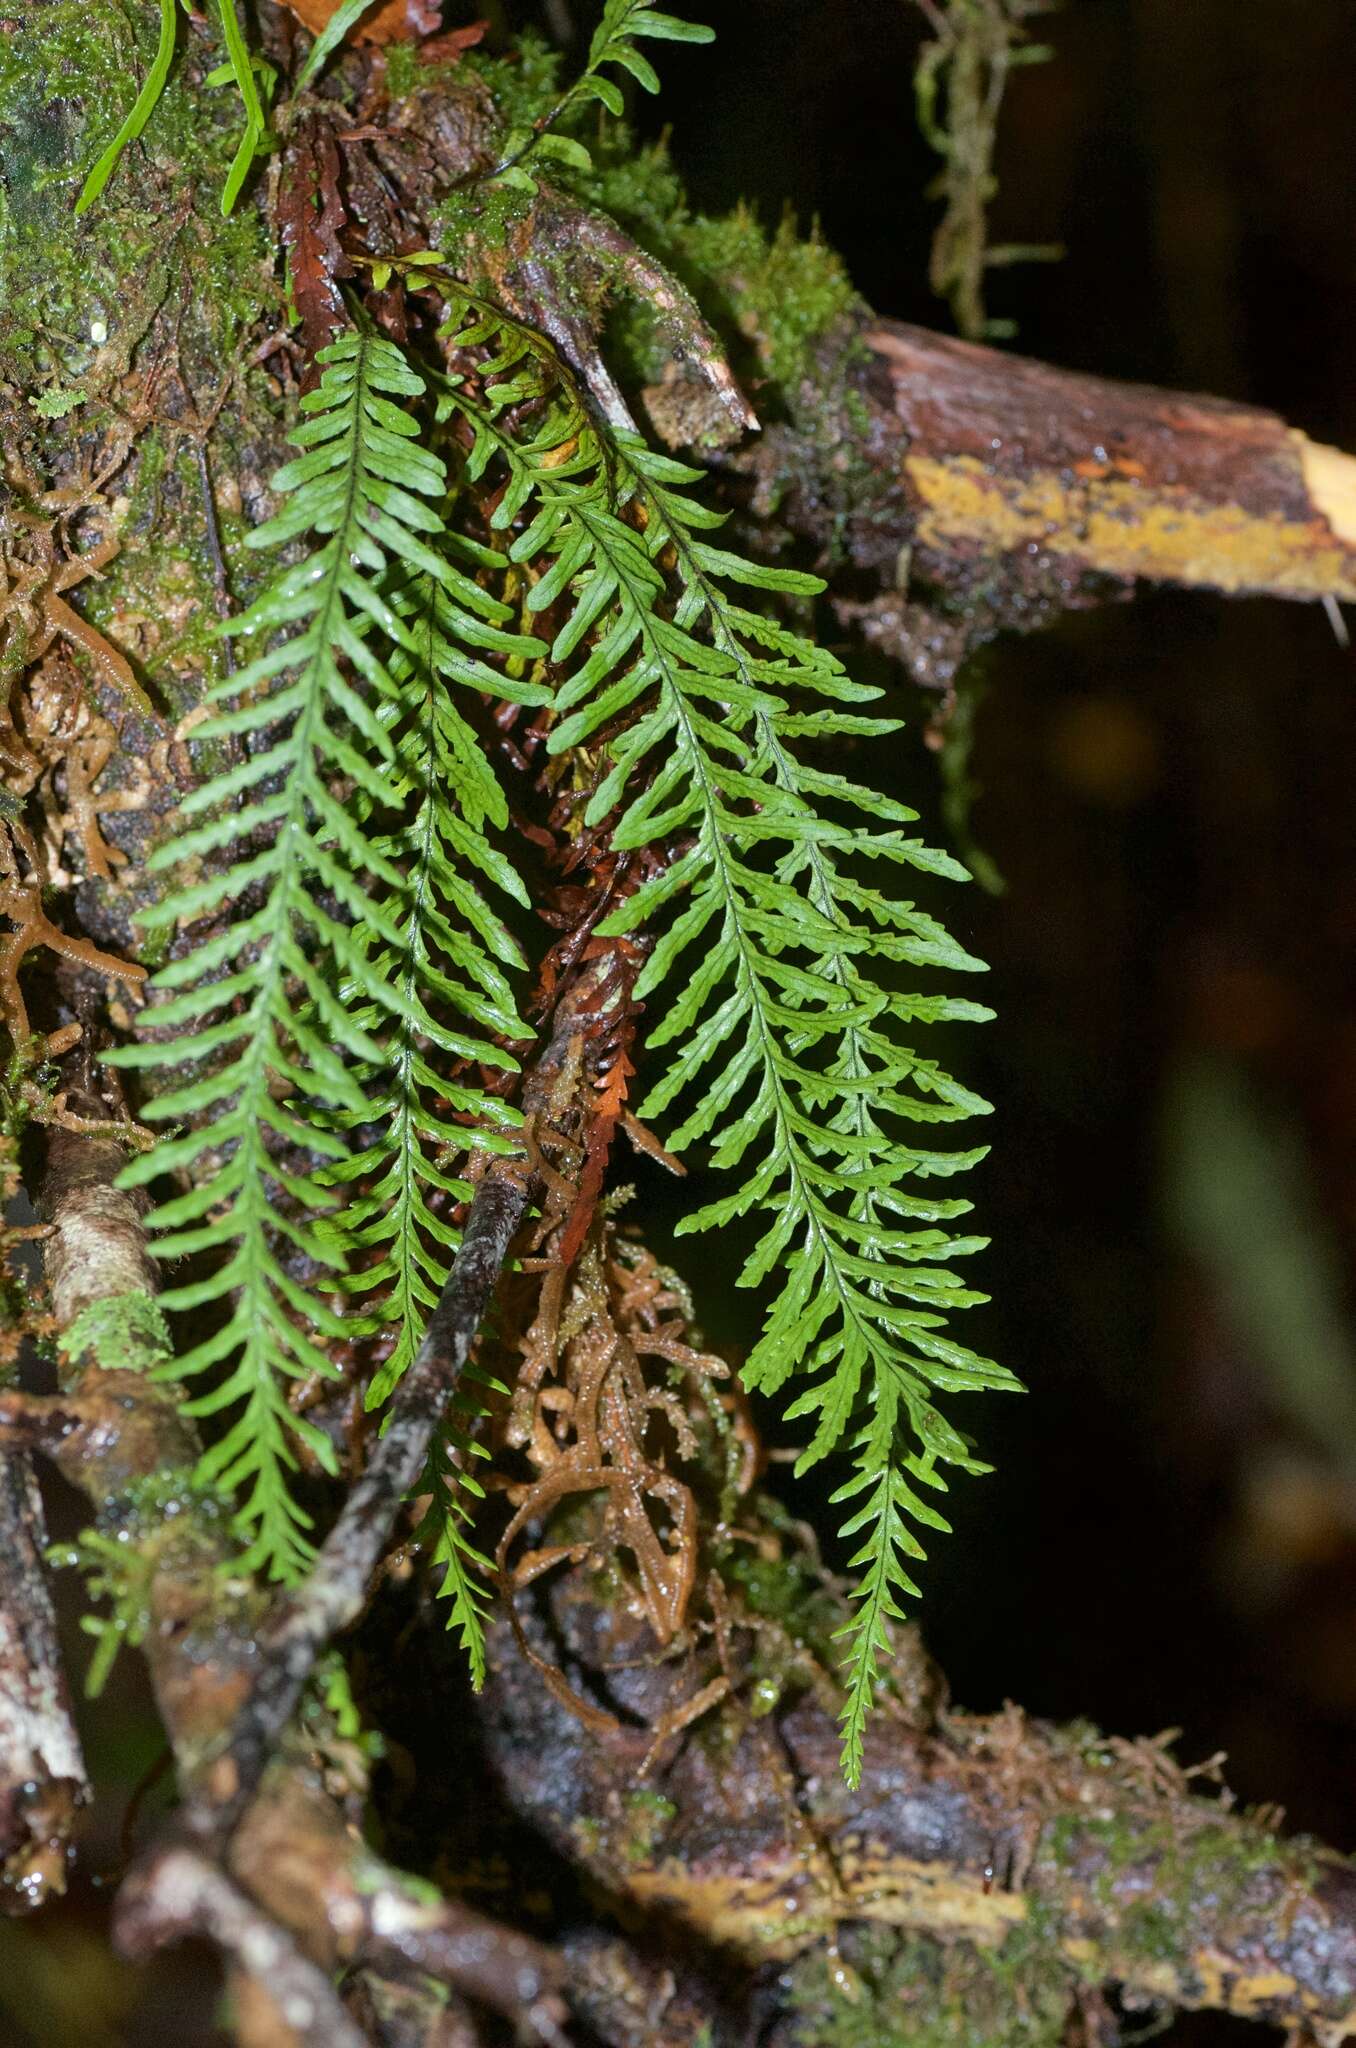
(301, 1013)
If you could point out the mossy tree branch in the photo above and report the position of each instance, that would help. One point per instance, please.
(1065, 1862)
(985, 490)
(121, 1437)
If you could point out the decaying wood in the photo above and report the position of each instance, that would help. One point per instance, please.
(964, 1829)
(998, 491)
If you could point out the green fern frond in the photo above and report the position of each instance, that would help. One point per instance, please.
(143, 107)
(276, 1008)
(613, 47)
(443, 1531)
(614, 41)
(450, 966)
(778, 959)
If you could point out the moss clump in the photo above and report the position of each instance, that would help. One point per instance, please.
(648, 1815)
(122, 1333)
(158, 597)
(781, 291)
(889, 1990)
(80, 293)
(784, 291)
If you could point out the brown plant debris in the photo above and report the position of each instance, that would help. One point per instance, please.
(21, 893)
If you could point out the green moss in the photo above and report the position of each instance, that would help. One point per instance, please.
(639, 186)
(79, 294)
(647, 1822)
(119, 1558)
(163, 580)
(1154, 1877)
(123, 1333)
(470, 224)
(888, 1990)
(780, 291)
(783, 291)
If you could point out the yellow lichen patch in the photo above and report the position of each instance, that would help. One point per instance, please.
(786, 1906)
(1251, 1994)
(774, 1913)
(1121, 527)
(935, 1898)
(1213, 1980)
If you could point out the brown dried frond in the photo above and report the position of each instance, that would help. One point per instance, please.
(56, 746)
(21, 885)
(592, 1418)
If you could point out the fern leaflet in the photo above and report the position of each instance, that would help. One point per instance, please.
(613, 45)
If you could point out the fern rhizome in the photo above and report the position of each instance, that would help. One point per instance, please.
(468, 521)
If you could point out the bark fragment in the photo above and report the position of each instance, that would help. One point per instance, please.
(984, 490)
(43, 1782)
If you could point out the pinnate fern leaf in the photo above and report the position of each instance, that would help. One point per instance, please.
(313, 984)
(783, 1037)
(613, 47)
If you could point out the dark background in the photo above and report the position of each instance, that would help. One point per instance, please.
(1169, 1538)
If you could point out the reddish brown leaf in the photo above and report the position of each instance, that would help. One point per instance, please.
(311, 217)
(598, 1143)
(398, 21)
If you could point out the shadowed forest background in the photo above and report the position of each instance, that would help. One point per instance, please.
(1169, 1537)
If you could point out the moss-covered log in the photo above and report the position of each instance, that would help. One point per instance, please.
(1049, 1863)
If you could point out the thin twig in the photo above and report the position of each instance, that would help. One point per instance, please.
(180, 1893)
(333, 1595)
